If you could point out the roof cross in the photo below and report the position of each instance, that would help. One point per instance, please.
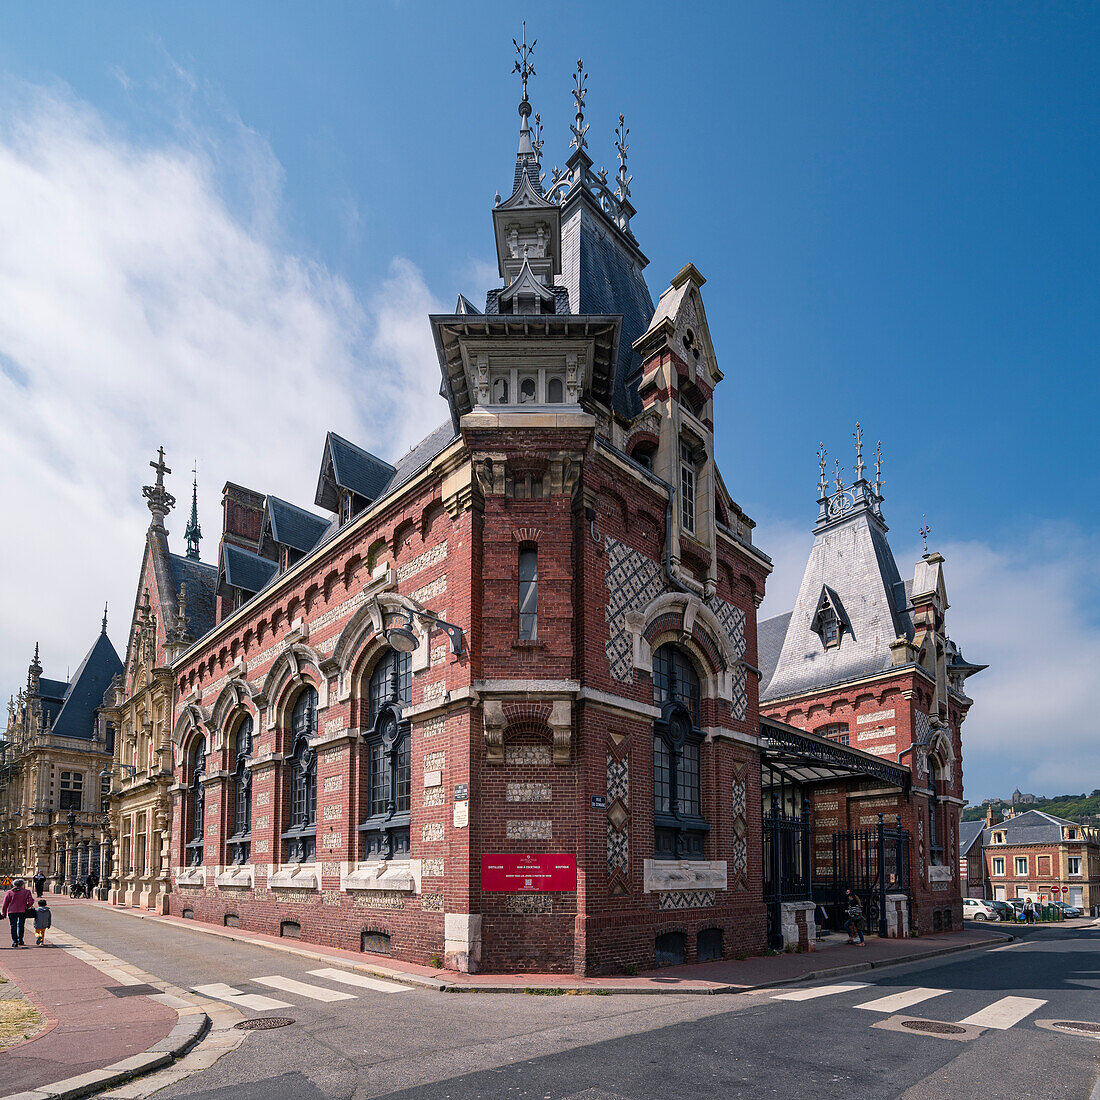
(160, 467)
(159, 499)
(523, 65)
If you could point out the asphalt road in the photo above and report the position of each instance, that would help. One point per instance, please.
(373, 1042)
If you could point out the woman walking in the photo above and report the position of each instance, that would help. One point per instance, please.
(18, 902)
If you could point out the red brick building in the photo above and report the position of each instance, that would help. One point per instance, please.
(864, 662)
(498, 708)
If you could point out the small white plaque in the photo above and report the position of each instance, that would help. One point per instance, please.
(433, 779)
(462, 815)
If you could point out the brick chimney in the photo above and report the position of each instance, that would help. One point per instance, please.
(242, 516)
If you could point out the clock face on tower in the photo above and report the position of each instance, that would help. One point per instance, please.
(840, 504)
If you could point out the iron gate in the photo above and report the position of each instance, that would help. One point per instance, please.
(871, 863)
(786, 864)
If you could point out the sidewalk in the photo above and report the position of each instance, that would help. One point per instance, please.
(90, 1027)
(724, 976)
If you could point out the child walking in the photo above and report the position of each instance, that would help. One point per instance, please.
(42, 921)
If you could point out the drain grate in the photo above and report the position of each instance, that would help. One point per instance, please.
(933, 1027)
(132, 990)
(263, 1023)
(1086, 1027)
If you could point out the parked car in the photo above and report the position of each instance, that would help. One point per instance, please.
(1000, 908)
(1067, 909)
(976, 909)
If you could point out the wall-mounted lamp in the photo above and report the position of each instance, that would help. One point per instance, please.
(402, 636)
(590, 515)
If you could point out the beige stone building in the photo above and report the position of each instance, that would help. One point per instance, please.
(52, 805)
(173, 591)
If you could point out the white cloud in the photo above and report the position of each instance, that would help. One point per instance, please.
(1025, 608)
(147, 299)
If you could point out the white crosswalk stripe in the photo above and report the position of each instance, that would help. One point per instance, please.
(222, 992)
(895, 1002)
(304, 989)
(362, 980)
(819, 991)
(1004, 1013)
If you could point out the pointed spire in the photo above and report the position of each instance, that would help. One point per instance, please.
(194, 531)
(580, 90)
(159, 499)
(823, 481)
(857, 435)
(527, 156)
(103, 629)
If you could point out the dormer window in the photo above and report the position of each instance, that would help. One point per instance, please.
(830, 629)
(687, 488)
(345, 509)
(829, 622)
(284, 558)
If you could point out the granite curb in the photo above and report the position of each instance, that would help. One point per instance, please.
(591, 987)
(190, 1029)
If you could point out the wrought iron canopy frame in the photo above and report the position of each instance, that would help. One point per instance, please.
(807, 758)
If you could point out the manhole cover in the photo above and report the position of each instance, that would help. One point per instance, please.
(933, 1027)
(1084, 1026)
(264, 1023)
(132, 990)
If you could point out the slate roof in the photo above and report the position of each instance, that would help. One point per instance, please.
(603, 277)
(346, 466)
(561, 300)
(1033, 827)
(201, 579)
(969, 831)
(852, 558)
(246, 570)
(52, 689)
(293, 526)
(769, 643)
(86, 690)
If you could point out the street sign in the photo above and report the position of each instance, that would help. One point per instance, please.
(462, 792)
(520, 873)
(599, 802)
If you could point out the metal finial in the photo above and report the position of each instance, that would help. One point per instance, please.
(823, 481)
(621, 145)
(104, 630)
(523, 65)
(194, 532)
(878, 469)
(537, 143)
(839, 479)
(857, 435)
(925, 531)
(580, 90)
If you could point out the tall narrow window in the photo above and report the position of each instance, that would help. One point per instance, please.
(72, 791)
(830, 629)
(679, 827)
(935, 824)
(240, 839)
(198, 804)
(528, 591)
(687, 488)
(301, 836)
(387, 753)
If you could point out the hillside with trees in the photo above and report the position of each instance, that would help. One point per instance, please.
(1082, 808)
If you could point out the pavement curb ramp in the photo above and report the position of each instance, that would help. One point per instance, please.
(520, 986)
(190, 1029)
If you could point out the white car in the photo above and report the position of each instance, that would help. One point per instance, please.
(976, 909)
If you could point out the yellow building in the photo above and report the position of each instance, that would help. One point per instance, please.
(173, 592)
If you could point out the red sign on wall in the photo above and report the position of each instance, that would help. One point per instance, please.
(529, 872)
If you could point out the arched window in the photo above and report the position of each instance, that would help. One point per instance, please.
(198, 802)
(301, 836)
(679, 828)
(387, 759)
(675, 679)
(240, 838)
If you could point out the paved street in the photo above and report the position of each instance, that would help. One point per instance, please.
(359, 1037)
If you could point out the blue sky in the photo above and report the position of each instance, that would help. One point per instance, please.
(893, 204)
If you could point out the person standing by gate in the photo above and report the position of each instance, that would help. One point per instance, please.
(39, 881)
(18, 902)
(853, 913)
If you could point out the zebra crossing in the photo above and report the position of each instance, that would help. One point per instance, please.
(309, 991)
(1000, 1015)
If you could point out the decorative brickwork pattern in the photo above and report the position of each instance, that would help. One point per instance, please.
(618, 842)
(617, 775)
(432, 868)
(431, 903)
(685, 899)
(428, 558)
(633, 581)
(529, 905)
(433, 796)
(527, 756)
(527, 792)
(433, 727)
(525, 830)
(432, 831)
(433, 761)
(430, 590)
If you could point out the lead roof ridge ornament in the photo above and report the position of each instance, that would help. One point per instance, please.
(621, 134)
(523, 65)
(857, 435)
(878, 470)
(580, 90)
(194, 532)
(925, 531)
(823, 481)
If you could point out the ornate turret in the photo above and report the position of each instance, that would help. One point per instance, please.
(159, 499)
(848, 500)
(193, 532)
